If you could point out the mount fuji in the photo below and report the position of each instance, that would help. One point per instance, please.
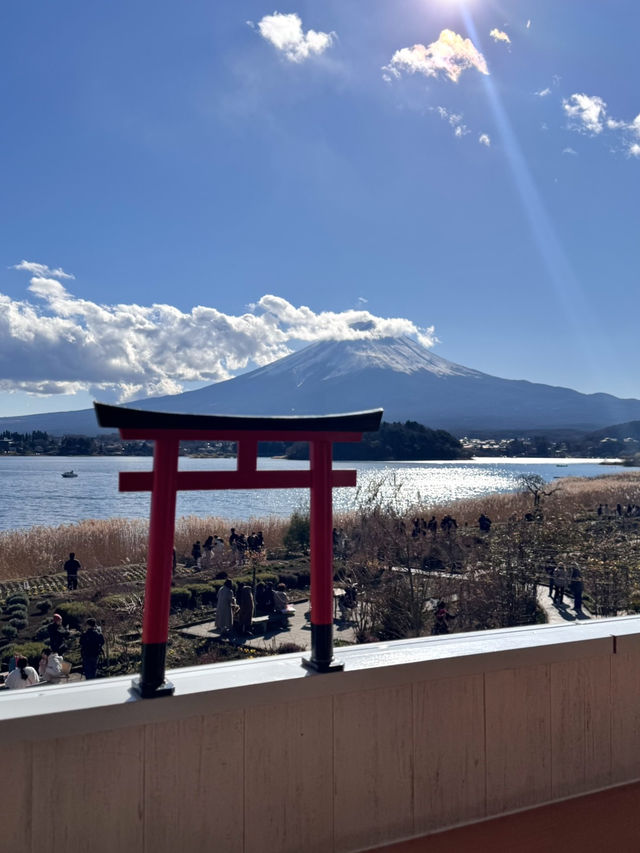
(399, 374)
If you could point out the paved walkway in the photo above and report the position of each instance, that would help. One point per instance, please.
(298, 632)
(560, 614)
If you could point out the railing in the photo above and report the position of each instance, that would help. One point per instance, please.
(414, 736)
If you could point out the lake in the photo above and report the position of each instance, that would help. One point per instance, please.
(33, 492)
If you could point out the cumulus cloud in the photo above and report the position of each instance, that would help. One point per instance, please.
(484, 139)
(634, 150)
(586, 113)
(498, 35)
(450, 55)
(56, 343)
(40, 269)
(285, 33)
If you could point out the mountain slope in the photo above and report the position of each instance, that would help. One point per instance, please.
(403, 377)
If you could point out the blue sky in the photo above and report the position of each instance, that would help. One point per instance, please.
(193, 189)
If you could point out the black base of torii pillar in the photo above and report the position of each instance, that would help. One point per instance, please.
(167, 430)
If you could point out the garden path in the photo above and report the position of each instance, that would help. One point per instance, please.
(560, 614)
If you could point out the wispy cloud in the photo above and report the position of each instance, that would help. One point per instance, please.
(528, 24)
(40, 269)
(484, 139)
(569, 150)
(499, 35)
(543, 92)
(285, 33)
(57, 343)
(450, 55)
(455, 120)
(586, 113)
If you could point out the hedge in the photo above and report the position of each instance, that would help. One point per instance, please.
(75, 613)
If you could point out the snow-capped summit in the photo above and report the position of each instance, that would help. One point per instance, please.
(398, 374)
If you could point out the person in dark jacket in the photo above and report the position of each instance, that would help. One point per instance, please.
(577, 587)
(57, 634)
(91, 643)
(71, 568)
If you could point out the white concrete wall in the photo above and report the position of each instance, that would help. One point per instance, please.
(262, 756)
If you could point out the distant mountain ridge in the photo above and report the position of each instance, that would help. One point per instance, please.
(399, 374)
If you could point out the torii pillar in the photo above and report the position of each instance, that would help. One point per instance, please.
(167, 430)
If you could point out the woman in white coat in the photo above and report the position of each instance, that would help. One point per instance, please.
(22, 676)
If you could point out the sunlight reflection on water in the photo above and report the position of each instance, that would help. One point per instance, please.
(32, 492)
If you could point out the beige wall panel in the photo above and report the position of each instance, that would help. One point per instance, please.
(449, 752)
(194, 787)
(87, 793)
(518, 738)
(288, 777)
(580, 726)
(373, 767)
(15, 795)
(625, 713)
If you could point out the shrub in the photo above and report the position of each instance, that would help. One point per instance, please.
(18, 598)
(43, 606)
(75, 613)
(31, 651)
(9, 632)
(180, 597)
(42, 633)
(18, 623)
(297, 536)
(114, 602)
(17, 610)
(210, 593)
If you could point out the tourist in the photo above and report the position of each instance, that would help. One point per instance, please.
(432, 526)
(245, 614)
(261, 591)
(91, 643)
(560, 582)
(441, 619)
(50, 667)
(241, 549)
(551, 569)
(259, 540)
(196, 554)
(484, 523)
(224, 607)
(207, 553)
(22, 676)
(57, 634)
(281, 603)
(71, 567)
(577, 588)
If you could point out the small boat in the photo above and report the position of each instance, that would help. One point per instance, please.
(71, 473)
(562, 464)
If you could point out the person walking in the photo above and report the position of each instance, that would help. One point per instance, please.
(560, 582)
(72, 567)
(577, 588)
(91, 643)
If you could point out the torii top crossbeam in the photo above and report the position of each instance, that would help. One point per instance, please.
(167, 430)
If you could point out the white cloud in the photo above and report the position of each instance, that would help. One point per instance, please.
(460, 129)
(528, 24)
(499, 35)
(285, 33)
(569, 151)
(484, 139)
(586, 112)
(57, 343)
(543, 92)
(40, 269)
(450, 55)
(634, 150)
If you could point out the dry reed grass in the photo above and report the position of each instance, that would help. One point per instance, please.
(113, 542)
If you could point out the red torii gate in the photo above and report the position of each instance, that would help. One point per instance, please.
(167, 430)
